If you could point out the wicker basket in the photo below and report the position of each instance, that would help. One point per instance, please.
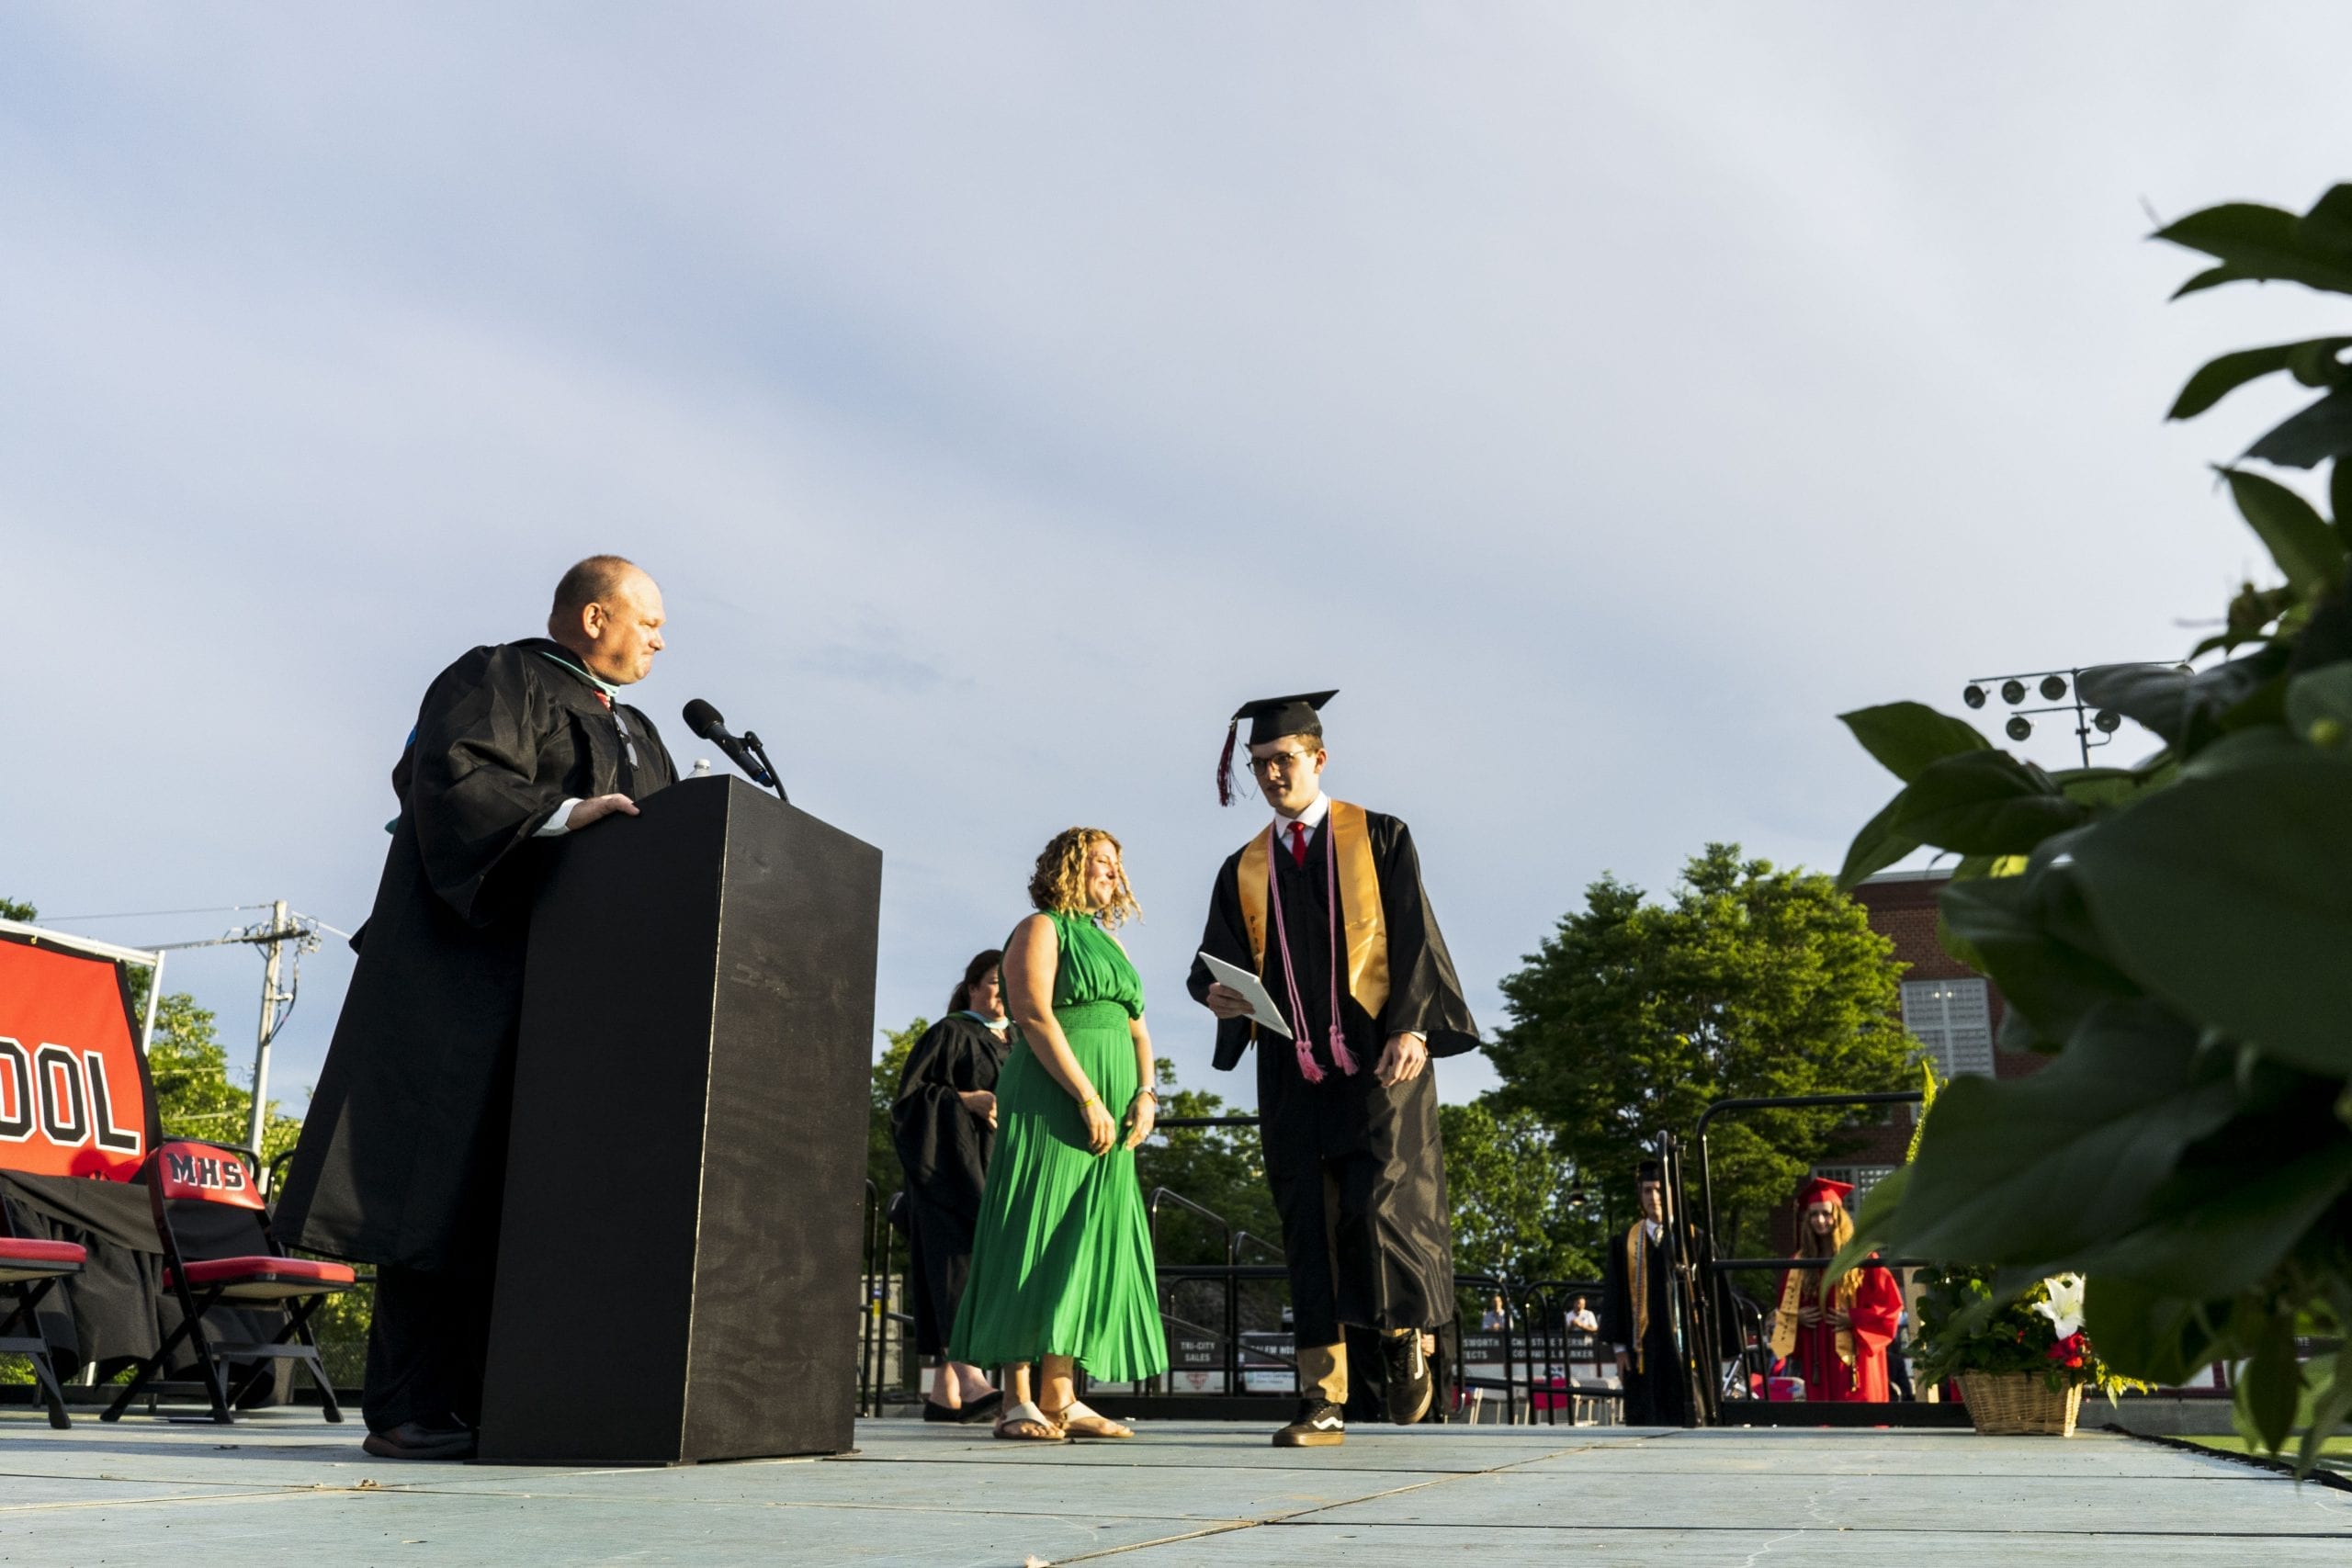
(2017, 1404)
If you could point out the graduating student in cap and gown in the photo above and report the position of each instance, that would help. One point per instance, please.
(1637, 1311)
(1834, 1332)
(1637, 1291)
(402, 1157)
(1324, 905)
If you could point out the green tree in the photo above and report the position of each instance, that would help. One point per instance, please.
(1517, 1213)
(194, 1095)
(2175, 933)
(18, 911)
(1220, 1170)
(1217, 1167)
(882, 1155)
(1753, 981)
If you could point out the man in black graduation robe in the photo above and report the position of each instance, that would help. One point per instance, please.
(1349, 1128)
(402, 1155)
(1637, 1288)
(1636, 1310)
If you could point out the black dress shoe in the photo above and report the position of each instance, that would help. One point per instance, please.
(414, 1440)
(983, 1408)
(1410, 1391)
(1320, 1425)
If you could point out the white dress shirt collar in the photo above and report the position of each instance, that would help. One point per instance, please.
(1312, 816)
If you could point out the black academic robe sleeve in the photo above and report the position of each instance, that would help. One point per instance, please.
(1616, 1297)
(942, 1147)
(473, 775)
(1424, 993)
(1227, 936)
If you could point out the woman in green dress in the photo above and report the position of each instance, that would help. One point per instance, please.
(1062, 1272)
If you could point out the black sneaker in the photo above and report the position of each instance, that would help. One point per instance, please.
(1320, 1425)
(1409, 1392)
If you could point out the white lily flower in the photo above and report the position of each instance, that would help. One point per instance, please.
(2064, 1308)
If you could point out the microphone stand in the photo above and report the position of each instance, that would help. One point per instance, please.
(751, 744)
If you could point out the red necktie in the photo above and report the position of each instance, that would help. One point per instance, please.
(1299, 843)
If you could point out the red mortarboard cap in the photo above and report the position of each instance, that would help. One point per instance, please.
(1821, 1190)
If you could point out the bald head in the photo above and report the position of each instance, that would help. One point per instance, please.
(609, 612)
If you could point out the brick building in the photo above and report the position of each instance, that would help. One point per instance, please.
(1950, 1008)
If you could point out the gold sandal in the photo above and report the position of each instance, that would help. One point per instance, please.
(1040, 1427)
(1078, 1420)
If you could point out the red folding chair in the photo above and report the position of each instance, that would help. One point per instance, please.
(232, 1257)
(28, 1269)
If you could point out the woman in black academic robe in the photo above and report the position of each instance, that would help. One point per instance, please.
(944, 1124)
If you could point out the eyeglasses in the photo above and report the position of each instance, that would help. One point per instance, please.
(1285, 760)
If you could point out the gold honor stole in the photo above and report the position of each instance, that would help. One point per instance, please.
(1784, 1319)
(1637, 1284)
(1360, 915)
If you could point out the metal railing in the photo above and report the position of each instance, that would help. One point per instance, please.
(1535, 1336)
(1734, 1359)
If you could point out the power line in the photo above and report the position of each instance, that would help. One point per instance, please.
(220, 909)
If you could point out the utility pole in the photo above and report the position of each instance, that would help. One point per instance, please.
(275, 936)
(282, 927)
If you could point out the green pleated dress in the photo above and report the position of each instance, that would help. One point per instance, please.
(1061, 1255)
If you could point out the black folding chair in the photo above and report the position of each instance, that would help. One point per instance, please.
(29, 1268)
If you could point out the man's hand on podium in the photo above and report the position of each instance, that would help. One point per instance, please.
(597, 808)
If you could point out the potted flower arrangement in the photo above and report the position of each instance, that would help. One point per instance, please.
(2021, 1366)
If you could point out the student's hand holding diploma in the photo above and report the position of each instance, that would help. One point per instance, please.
(1226, 1002)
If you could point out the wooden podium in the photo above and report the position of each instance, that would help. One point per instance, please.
(678, 1261)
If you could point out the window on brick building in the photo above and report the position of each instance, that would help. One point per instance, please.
(1953, 1019)
(1861, 1177)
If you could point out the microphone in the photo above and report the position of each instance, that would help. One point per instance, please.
(744, 751)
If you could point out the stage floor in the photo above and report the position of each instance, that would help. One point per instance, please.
(287, 1488)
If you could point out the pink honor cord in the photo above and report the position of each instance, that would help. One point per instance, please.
(1341, 1056)
(1307, 1067)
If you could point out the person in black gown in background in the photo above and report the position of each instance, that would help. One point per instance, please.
(944, 1125)
(402, 1161)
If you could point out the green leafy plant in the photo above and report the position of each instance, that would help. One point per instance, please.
(2179, 934)
(1965, 1327)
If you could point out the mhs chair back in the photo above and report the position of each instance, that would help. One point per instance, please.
(220, 1248)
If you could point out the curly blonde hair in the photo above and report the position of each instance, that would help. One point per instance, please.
(1058, 884)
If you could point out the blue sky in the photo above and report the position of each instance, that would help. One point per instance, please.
(1602, 397)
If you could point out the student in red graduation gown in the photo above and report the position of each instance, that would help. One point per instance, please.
(1835, 1333)
(1324, 905)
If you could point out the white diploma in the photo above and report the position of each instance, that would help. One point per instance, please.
(1262, 1006)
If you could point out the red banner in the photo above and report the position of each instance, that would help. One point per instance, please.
(74, 1092)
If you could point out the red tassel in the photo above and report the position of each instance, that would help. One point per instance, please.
(1225, 765)
(1307, 1067)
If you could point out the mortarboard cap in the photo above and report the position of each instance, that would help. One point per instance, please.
(1270, 719)
(1648, 1171)
(1821, 1190)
